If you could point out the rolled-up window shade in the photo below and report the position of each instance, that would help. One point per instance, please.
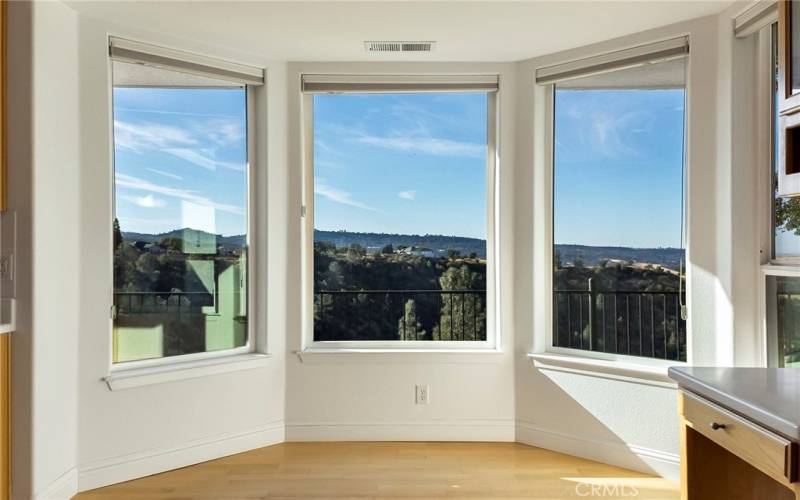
(185, 62)
(327, 84)
(761, 14)
(622, 59)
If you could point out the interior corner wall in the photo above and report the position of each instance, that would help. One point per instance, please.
(124, 434)
(630, 422)
(354, 396)
(43, 191)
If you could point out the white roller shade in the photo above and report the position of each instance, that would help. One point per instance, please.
(184, 62)
(628, 58)
(326, 84)
(756, 17)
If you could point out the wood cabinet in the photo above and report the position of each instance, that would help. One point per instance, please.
(727, 457)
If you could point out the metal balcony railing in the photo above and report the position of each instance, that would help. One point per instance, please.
(646, 324)
(400, 315)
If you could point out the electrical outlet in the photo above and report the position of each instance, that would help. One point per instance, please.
(423, 394)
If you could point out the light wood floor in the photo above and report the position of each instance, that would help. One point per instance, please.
(393, 470)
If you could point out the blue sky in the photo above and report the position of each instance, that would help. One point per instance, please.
(401, 163)
(404, 163)
(180, 159)
(618, 167)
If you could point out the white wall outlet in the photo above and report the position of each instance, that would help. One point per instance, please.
(423, 394)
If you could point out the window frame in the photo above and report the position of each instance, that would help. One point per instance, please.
(770, 265)
(493, 336)
(544, 237)
(253, 346)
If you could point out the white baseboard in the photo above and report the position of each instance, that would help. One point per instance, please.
(124, 468)
(63, 488)
(666, 465)
(439, 430)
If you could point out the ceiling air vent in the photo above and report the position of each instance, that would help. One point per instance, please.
(399, 46)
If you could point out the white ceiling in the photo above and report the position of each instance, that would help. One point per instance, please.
(335, 31)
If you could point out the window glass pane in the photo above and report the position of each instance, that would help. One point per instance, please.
(400, 217)
(786, 211)
(783, 303)
(180, 227)
(794, 44)
(617, 212)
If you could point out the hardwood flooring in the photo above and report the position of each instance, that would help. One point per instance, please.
(393, 470)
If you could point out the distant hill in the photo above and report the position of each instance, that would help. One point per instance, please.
(373, 242)
(667, 257)
(227, 242)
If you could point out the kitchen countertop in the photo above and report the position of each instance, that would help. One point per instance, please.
(769, 397)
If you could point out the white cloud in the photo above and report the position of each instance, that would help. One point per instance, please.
(339, 196)
(201, 158)
(148, 201)
(415, 138)
(182, 142)
(427, 145)
(142, 136)
(130, 182)
(407, 195)
(165, 174)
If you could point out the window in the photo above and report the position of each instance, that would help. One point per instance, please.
(400, 188)
(180, 228)
(782, 280)
(617, 234)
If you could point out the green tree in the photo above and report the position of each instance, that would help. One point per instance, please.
(409, 327)
(388, 249)
(463, 316)
(171, 243)
(453, 253)
(355, 252)
(325, 247)
(117, 234)
(787, 214)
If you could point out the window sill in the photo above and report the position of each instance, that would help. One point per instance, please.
(389, 355)
(137, 377)
(616, 370)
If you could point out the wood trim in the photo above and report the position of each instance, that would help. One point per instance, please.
(5, 416)
(5, 340)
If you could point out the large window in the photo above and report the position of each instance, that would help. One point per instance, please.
(618, 170)
(401, 215)
(180, 229)
(782, 281)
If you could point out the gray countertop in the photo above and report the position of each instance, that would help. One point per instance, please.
(769, 397)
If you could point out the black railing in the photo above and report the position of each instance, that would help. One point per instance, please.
(176, 303)
(400, 315)
(646, 324)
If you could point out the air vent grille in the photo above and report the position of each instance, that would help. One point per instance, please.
(386, 46)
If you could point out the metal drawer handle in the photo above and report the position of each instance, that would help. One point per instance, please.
(715, 426)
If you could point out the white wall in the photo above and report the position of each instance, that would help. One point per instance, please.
(138, 431)
(72, 426)
(629, 421)
(43, 190)
(371, 396)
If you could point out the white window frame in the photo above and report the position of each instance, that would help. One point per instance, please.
(771, 267)
(543, 349)
(254, 347)
(493, 337)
